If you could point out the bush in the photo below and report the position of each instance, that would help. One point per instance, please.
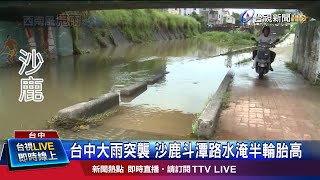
(292, 66)
(293, 28)
(232, 38)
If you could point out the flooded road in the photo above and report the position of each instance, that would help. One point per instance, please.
(164, 111)
(282, 106)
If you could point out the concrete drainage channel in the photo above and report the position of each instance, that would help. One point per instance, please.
(69, 116)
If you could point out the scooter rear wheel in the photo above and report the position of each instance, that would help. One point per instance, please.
(260, 75)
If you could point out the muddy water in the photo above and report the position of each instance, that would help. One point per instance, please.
(164, 111)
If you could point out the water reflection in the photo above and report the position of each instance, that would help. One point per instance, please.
(175, 48)
(187, 87)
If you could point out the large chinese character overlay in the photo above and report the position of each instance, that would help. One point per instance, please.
(30, 88)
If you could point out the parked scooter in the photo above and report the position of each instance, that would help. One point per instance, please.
(263, 57)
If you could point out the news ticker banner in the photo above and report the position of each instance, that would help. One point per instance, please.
(245, 158)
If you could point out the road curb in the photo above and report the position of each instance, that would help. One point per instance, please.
(141, 86)
(206, 123)
(133, 89)
(87, 109)
(67, 116)
(156, 78)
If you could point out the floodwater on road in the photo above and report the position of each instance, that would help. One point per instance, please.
(283, 105)
(164, 111)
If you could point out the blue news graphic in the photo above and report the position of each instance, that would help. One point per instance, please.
(192, 150)
(247, 16)
(36, 152)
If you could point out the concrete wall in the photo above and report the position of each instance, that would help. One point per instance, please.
(16, 31)
(63, 39)
(172, 10)
(318, 45)
(230, 19)
(215, 17)
(59, 39)
(88, 41)
(306, 51)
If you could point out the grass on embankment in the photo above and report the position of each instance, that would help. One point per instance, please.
(292, 66)
(225, 100)
(230, 39)
(140, 25)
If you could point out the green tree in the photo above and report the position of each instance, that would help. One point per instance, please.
(199, 18)
(237, 17)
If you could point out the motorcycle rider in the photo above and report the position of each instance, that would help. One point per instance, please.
(265, 37)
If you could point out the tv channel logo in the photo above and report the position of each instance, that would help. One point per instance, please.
(247, 16)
